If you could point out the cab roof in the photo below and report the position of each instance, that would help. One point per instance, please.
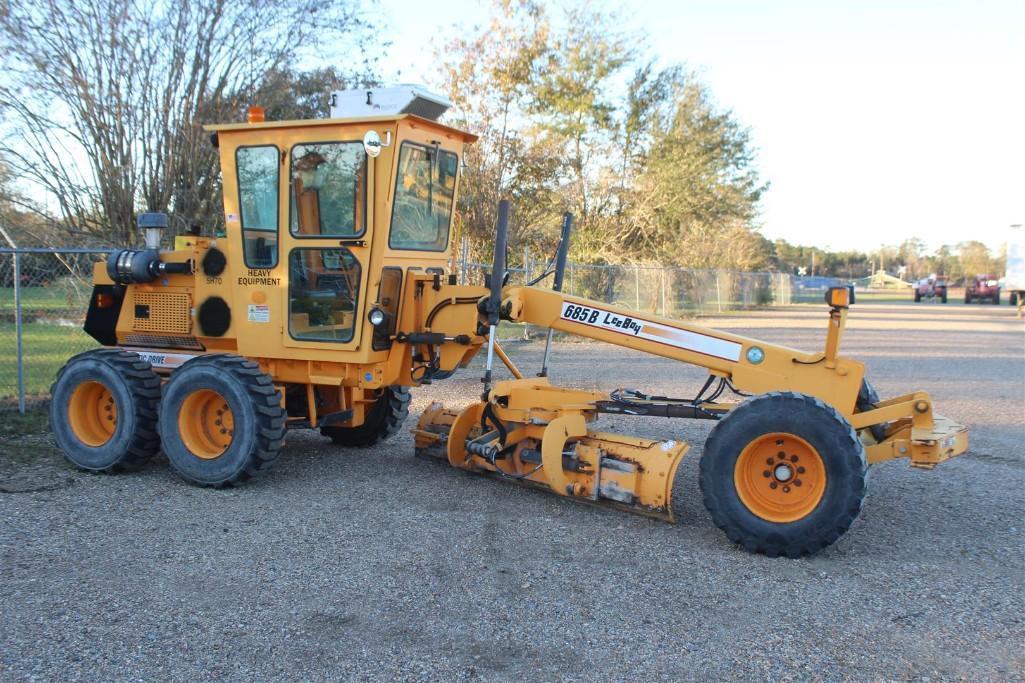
(311, 123)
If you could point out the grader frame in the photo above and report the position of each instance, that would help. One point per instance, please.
(331, 293)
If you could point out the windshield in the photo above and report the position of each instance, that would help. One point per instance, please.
(327, 189)
(425, 189)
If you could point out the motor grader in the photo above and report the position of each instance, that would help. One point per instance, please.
(330, 294)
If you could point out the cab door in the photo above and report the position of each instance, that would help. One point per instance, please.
(326, 244)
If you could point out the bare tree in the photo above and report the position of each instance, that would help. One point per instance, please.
(103, 101)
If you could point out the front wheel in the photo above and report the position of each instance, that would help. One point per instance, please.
(783, 474)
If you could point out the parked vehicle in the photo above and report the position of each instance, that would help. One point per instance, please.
(982, 287)
(932, 287)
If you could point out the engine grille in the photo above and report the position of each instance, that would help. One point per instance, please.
(162, 312)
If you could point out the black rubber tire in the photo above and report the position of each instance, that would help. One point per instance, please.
(258, 416)
(135, 389)
(1013, 299)
(996, 298)
(918, 296)
(967, 298)
(383, 420)
(944, 297)
(824, 429)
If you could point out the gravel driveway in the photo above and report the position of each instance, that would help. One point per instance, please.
(372, 565)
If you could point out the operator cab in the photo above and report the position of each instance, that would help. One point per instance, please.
(340, 209)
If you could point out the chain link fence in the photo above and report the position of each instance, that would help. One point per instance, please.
(44, 295)
(664, 291)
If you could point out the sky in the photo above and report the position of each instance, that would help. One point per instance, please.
(874, 121)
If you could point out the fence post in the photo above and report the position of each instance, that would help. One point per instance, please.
(17, 332)
(718, 292)
(637, 288)
(465, 254)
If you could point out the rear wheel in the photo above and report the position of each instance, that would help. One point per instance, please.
(943, 297)
(918, 296)
(967, 298)
(1014, 299)
(221, 420)
(996, 298)
(783, 474)
(103, 410)
(383, 419)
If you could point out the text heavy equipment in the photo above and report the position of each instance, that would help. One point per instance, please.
(329, 294)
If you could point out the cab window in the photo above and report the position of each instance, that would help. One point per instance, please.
(257, 169)
(323, 290)
(425, 188)
(328, 189)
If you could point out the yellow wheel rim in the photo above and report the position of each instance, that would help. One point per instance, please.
(206, 424)
(780, 477)
(92, 413)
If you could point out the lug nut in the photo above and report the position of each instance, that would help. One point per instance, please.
(224, 431)
(768, 461)
(793, 458)
(781, 455)
(766, 473)
(800, 470)
(786, 489)
(772, 484)
(797, 482)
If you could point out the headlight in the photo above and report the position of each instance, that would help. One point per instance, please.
(376, 317)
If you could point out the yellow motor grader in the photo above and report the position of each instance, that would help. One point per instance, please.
(330, 294)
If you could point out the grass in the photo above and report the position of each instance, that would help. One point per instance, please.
(65, 294)
(47, 347)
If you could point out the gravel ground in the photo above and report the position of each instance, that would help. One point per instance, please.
(372, 565)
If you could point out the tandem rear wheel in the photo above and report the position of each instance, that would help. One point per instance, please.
(783, 474)
(103, 410)
(221, 420)
(383, 419)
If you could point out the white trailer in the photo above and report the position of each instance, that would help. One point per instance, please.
(1014, 276)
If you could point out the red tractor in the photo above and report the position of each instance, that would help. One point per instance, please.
(982, 287)
(932, 287)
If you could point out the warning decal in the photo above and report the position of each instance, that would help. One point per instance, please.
(652, 331)
(259, 313)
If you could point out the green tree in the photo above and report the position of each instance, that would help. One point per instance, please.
(695, 199)
(975, 259)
